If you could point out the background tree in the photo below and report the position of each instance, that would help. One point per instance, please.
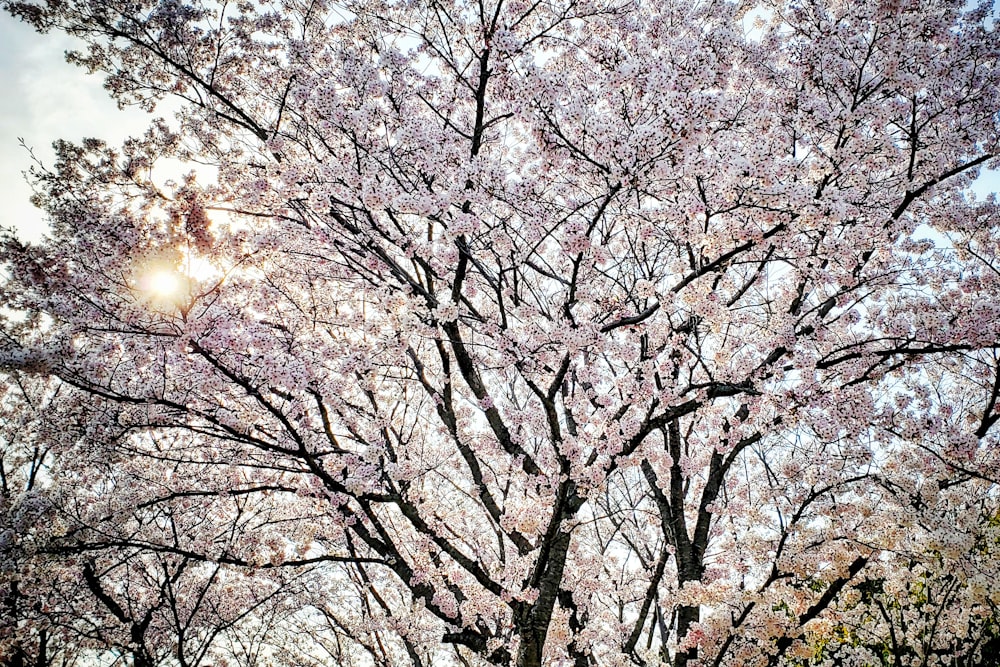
(590, 333)
(941, 609)
(114, 597)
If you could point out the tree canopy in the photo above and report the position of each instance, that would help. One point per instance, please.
(511, 332)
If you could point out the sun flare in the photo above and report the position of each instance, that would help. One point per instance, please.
(167, 282)
(164, 284)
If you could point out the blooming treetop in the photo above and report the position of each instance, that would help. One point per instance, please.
(573, 332)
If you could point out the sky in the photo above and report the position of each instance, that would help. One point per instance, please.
(44, 98)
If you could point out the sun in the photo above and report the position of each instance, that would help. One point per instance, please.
(167, 282)
(163, 284)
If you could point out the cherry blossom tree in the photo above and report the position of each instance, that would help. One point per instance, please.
(68, 605)
(583, 332)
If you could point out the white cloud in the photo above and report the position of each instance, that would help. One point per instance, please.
(44, 98)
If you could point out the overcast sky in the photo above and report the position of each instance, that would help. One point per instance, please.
(43, 98)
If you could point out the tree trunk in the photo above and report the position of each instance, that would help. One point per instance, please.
(42, 660)
(17, 659)
(534, 624)
(685, 617)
